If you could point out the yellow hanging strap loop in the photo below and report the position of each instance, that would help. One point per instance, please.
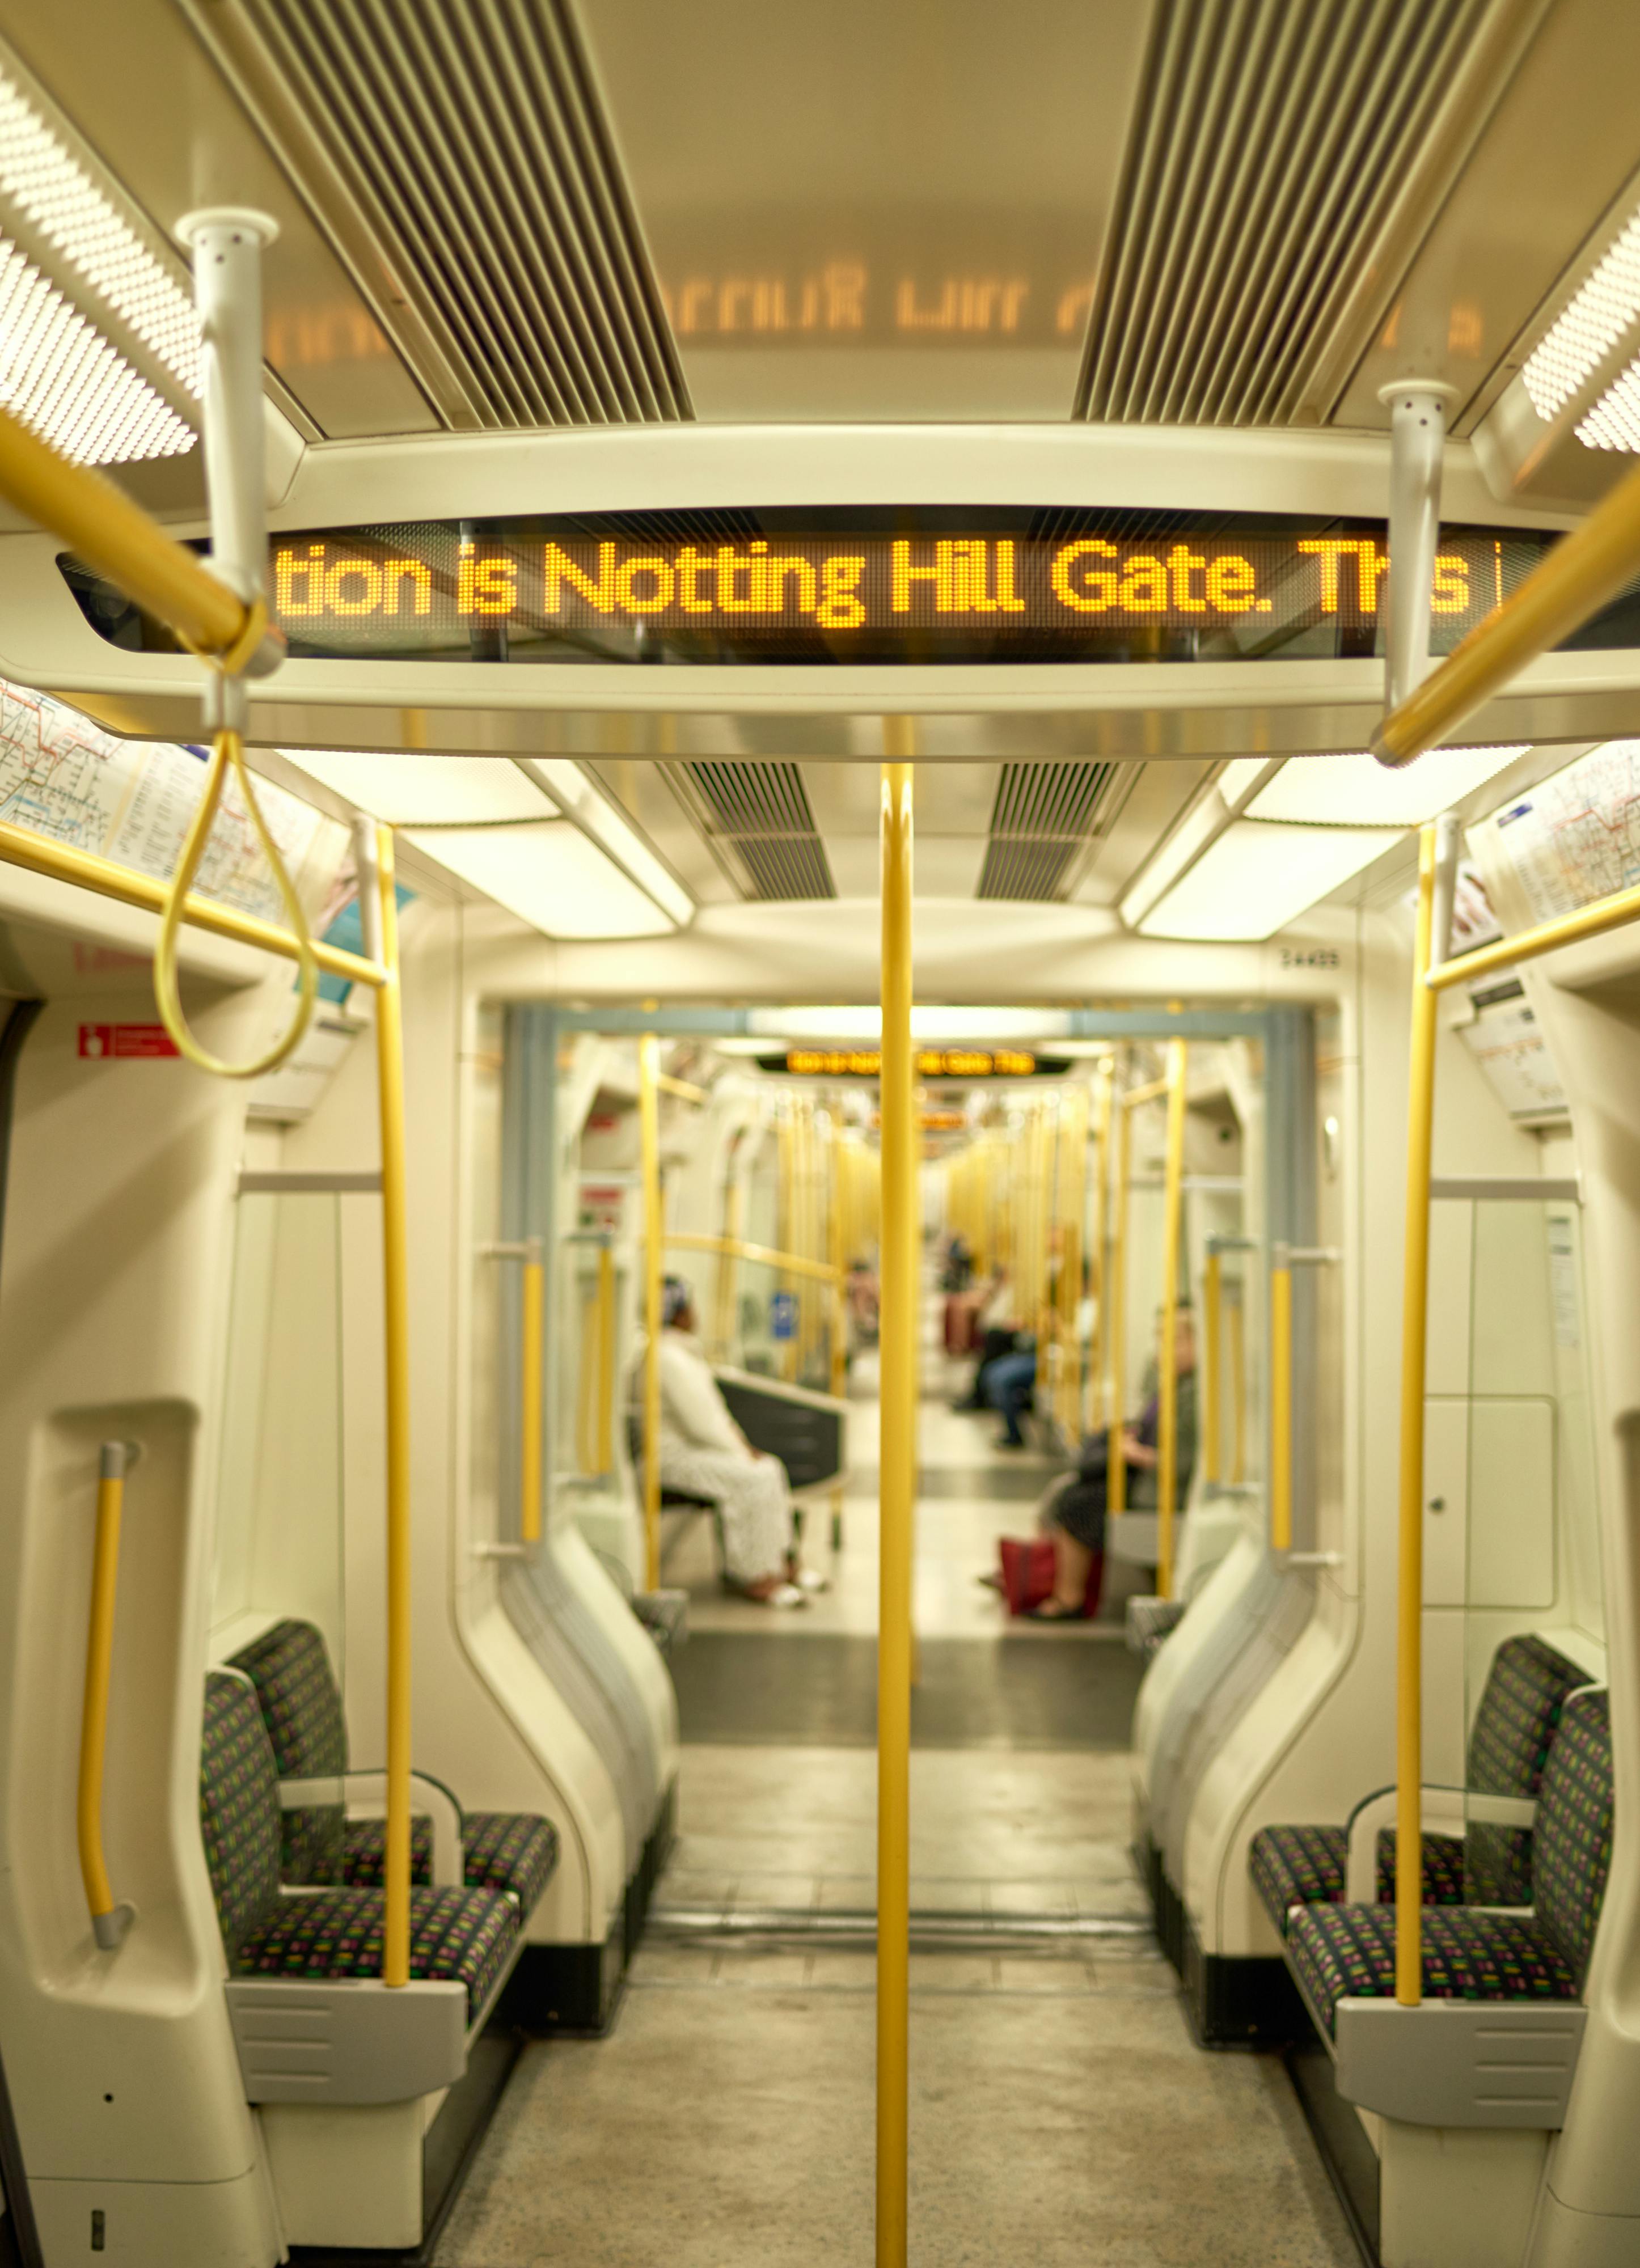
(227, 753)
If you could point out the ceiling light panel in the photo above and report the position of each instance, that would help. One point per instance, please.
(1587, 330)
(575, 794)
(421, 791)
(65, 380)
(1255, 879)
(58, 372)
(1357, 790)
(549, 875)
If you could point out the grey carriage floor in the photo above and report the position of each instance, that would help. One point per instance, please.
(1059, 2112)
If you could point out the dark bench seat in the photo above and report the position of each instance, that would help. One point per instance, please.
(1295, 1868)
(512, 1852)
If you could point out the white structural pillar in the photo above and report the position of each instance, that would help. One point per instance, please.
(1418, 412)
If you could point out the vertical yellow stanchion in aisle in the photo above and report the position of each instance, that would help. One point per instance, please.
(1414, 1324)
(900, 1248)
(1167, 1378)
(649, 1131)
(395, 1289)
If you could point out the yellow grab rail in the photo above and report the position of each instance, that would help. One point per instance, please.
(1413, 1330)
(533, 1334)
(901, 1248)
(1281, 1407)
(1211, 1364)
(117, 538)
(1116, 1465)
(1614, 912)
(1099, 1249)
(1167, 1368)
(395, 1943)
(108, 1921)
(769, 1256)
(40, 855)
(605, 1433)
(649, 1135)
(1584, 571)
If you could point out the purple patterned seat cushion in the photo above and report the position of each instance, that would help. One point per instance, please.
(239, 1807)
(364, 1866)
(1348, 1952)
(1305, 1867)
(301, 1706)
(511, 1851)
(464, 1936)
(1574, 1830)
(1526, 1690)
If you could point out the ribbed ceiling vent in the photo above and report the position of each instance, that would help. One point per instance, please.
(1044, 814)
(470, 141)
(761, 813)
(1264, 190)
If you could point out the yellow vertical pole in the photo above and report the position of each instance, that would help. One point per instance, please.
(529, 1445)
(108, 1922)
(900, 1246)
(396, 1291)
(1281, 1407)
(1238, 1390)
(732, 1217)
(1414, 1331)
(1167, 1397)
(649, 1136)
(1212, 1367)
(1099, 1249)
(605, 1438)
(1116, 1469)
(837, 1252)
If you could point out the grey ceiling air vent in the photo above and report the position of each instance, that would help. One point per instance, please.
(1285, 160)
(760, 815)
(1045, 815)
(460, 158)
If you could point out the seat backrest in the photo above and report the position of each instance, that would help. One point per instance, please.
(1574, 1828)
(1527, 1689)
(301, 1708)
(239, 1810)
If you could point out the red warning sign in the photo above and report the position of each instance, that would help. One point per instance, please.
(127, 1042)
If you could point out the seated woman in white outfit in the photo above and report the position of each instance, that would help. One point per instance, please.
(703, 1452)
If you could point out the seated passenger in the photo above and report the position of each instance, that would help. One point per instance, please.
(705, 1453)
(1076, 1512)
(996, 1330)
(1010, 1388)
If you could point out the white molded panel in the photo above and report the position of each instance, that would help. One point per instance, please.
(1446, 1484)
(1511, 1486)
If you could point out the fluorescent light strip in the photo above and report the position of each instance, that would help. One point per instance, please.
(65, 380)
(1614, 421)
(1256, 878)
(549, 875)
(1588, 328)
(43, 178)
(574, 793)
(409, 789)
(1357, 790)
(1201, 822)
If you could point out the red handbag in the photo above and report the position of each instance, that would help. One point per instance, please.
(1028, 1574)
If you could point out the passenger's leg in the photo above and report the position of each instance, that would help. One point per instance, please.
(755, 1507)
(1011, 1386)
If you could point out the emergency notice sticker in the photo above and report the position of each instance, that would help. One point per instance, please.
(127, 1042)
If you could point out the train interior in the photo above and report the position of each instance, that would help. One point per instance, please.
(819, 1033)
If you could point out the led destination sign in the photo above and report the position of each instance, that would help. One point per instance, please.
(875, 586)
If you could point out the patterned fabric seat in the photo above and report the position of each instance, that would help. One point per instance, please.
(1295, 1867)
(461, 1936)
(1525, 1692)
(1338, 1952)
(514, 1852)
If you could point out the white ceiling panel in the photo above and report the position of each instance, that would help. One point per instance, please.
(945, 866)
(860, 212)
